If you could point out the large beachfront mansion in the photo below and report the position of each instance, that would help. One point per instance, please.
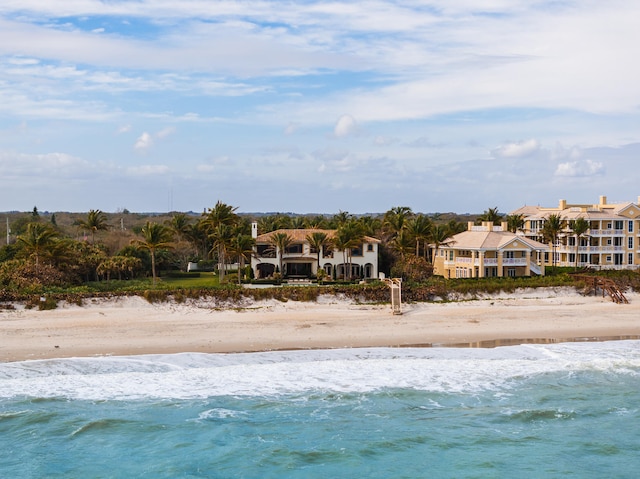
(300, 260)
(611, 242)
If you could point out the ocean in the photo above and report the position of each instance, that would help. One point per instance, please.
(534, 410)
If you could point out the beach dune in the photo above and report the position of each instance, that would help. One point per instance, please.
(131, 325)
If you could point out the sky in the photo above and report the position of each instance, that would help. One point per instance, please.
(317, 106)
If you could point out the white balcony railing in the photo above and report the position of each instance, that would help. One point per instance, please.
(487, 262)
(607, 232)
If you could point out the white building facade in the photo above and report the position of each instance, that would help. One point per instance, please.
(300, 260)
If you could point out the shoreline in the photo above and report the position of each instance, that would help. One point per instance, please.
(132, 326)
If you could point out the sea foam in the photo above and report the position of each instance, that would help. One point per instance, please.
(197, 375)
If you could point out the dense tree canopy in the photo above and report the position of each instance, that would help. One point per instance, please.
(219, 235)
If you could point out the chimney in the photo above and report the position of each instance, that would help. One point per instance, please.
(603, 200)
(254, 230)
(562, 205)
(469, 225)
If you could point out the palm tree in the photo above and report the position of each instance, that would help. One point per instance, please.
(96, 221)
(402, 244)
(340, 218)
(220, 215)
(492, 215)
(395, 219)
(180, 224)
(419, 227)
(347, 237)
(197, 235)
(279, 242)
(155, 237)
(515, 223)
(37, 240)
(221, 237)
(242, 248)
(579, 227)
(550, 231)
(299, 223)
(370, 225)
(317, 222)
(439, 235)
(318, 240)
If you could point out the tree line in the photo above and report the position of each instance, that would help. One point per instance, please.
(91, 249)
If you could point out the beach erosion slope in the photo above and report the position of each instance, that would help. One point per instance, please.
(132, 326)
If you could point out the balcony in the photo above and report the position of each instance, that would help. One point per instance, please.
(487, 262)
(607, 232)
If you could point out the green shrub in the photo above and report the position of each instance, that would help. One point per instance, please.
(156, 296)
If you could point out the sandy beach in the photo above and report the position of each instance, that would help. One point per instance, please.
(130, 326)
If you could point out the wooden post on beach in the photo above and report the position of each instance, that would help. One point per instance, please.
(395, 284)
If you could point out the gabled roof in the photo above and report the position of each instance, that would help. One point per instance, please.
(598, 211)
(491, 240)
(629, 209)
(300, 235)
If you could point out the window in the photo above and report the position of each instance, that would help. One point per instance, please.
(266, 251)
(356, 251)
(509, 254)
(369, 247)
(630, 242)
(511, 272)
(294, 248)
(619, 225)
(631, 226)
(630, 260)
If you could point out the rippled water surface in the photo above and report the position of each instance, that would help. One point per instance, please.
(519, 411)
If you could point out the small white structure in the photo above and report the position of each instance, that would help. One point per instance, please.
(395, 284)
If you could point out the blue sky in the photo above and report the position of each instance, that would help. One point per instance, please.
(317, 106)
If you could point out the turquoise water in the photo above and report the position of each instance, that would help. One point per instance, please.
(519, 411)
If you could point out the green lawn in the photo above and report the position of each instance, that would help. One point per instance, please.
(205, 280)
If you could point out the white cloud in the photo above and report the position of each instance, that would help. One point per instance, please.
(345, 126)
(520, 149)
(124, 129)
(165, 132)
(580, 168)
(213, 164)
(146, 140)
(143, 143)
(291, 128)
(381, 140)
(147, 170)
(46, 165)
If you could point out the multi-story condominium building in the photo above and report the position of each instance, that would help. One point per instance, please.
(611, 242)
(487, 250)
(300, 260)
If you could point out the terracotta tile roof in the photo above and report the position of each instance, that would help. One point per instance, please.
(300, 235)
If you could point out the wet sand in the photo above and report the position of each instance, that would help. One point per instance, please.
(130, 326)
